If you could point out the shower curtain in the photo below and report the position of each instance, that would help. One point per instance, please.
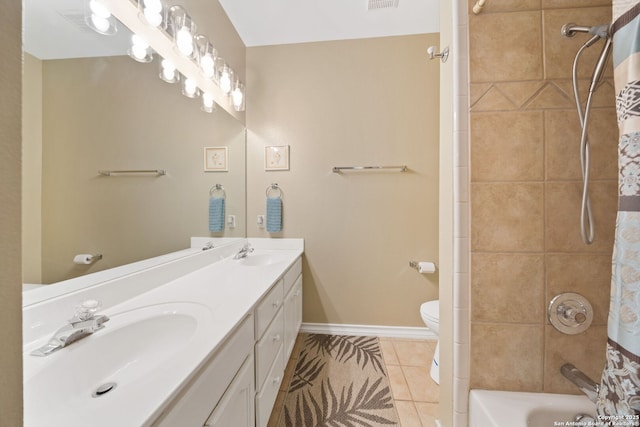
(619, 399)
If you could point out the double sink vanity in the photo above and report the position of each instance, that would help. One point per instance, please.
(197, 338)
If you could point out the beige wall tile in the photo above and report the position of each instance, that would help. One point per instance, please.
(507, 217)
(550, 96)
(515, 57)
(493, 100)
(562, 151)
(502, 284)
(507, 146)
(563, 4)
(507, 357)
(585, 351)
(559, 51)
(563, 200)
(506, 6)
(586, 274)
(520, 92)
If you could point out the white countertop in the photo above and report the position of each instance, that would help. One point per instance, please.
(226, 287)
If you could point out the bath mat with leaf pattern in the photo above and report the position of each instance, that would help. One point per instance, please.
(339, 381)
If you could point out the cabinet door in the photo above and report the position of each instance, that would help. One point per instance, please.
(292, 316)
(236, 408)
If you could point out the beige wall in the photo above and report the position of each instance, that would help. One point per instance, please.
(10, 259)
(32, 170)
(357, 102)
(114, 113)
(525, 194)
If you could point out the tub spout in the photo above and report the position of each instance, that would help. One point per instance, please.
(583, 382)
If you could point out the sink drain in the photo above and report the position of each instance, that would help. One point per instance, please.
(104, 389)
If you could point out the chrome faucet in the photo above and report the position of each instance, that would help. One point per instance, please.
(83, 324)
(583, 382)
(244, 251)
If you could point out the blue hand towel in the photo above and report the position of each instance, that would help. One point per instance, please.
(274, 214)
(216, 214)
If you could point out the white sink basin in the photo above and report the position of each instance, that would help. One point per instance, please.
(262, 258)
(136, 350)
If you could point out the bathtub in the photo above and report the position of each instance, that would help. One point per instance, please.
(489, 408)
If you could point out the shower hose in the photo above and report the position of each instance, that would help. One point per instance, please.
(586, 216)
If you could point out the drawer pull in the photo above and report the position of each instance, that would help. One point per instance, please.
(276, 380)
(276, 304)
(276, 337)
(297, 293)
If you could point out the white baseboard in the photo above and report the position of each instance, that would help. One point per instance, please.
(369, 330)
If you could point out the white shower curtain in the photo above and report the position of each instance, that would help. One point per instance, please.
(619, 399)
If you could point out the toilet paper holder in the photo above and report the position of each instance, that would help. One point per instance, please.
(86, 258)
(424, 267)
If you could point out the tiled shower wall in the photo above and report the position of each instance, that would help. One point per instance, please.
(525, 189)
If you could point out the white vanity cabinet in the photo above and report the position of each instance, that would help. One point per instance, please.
(239, 385)
(278, 319)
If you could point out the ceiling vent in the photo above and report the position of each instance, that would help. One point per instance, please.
(76, 19)
(382, 4)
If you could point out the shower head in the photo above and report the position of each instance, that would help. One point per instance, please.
(570, 30)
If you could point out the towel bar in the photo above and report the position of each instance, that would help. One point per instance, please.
(134, 171)
(338, 169)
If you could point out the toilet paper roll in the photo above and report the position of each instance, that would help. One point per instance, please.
(83, 259)
(426, 267)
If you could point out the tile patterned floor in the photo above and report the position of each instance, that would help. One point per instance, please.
(408, 362)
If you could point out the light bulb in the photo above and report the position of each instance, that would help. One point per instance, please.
(190, 88)
(153, 6)
(184, 41)
(207, 103)
(237, 98)
(101, 24)
(168, 73)
(207, 65)
(99, 9)
(225, 81)
(140, 49)
(154, 19)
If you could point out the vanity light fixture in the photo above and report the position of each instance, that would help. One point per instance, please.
(208, 105)
(207, 56)
(168, 71)
(182, 28)
(152, 10)
(99, 18)
(211, 79)
(190, 88)
(140, 50)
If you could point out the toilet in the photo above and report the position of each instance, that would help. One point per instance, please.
(430, 315)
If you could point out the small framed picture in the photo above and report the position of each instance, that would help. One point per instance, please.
(216, 159)
(276, 158)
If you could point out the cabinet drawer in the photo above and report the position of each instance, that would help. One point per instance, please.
(268, 348)
(267, 396)
(268, 308)
(192, 406)
(292, 274)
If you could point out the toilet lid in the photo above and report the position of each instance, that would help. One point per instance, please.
(431, 309)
